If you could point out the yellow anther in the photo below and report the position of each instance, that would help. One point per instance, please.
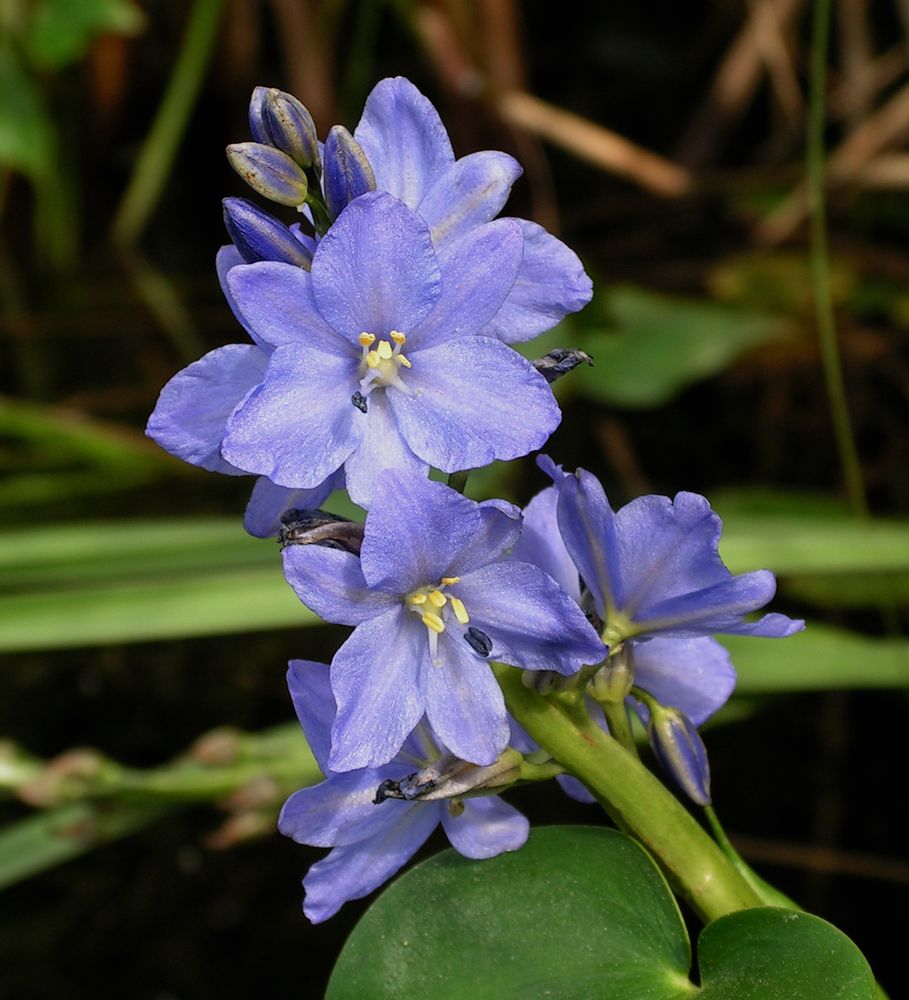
(404, 361)
(384, 350)
(417, 599)
(460, 612)
(448, 581)
(438, 599)
(367, 339)
(433, 621)
(398, 337)
(372, 359)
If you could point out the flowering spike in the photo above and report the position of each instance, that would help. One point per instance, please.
(347, 171)
(291, 128)
(257, 236)
(680, 751)
(270, 172)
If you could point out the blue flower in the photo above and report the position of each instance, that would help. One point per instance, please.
(433, 599)
(371, 841)
(651, 575)
(366, 362)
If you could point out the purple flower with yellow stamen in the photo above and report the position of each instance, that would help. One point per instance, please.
(327, 385)
(433, 599)
(372, 837)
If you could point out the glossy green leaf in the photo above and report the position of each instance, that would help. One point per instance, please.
(658, 345)
(819, 658)
(579, 912)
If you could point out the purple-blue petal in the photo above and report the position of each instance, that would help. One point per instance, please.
(193, 410)
(473, 400)
(464, 703)
(415, 530)
(532, 622)
(550, 284)
(472, 191)
(356, 870)
(226, 260)
(298, 427)
(478, 271)
(499, 531)
(375, 270)
(374, 677)
(404, 140)
(575, 789)
(541, 542)
(268, 503)
(485, 828)
(309, 684)
(330, 581)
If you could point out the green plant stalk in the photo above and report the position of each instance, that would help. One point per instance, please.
(619, 724)
(633, 797)
(820, 263)
(160, 147)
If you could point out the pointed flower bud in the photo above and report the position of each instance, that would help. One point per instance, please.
(560, 361)
(257, 127)
(613, 681)
(270, 172)
(291, 128)
(258, 236)
(680, 751)
(347, 171)
(318, 527)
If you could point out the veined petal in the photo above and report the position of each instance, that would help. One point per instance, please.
(532, 622)
(470, 192)
(588, 528)
(693, 675)
(228, 258)
(473, 400)
(330, 581)
(275, 302)
(719, 608)
(268, 503)
(341, 810)
(415, 530)
(487, 827)
(374, 676)
(310, 690)
(298, 427)
(541, 543)
(191, 415)
(666, 549)
(464, 703)
(550, 284)
(375, 270)
(404, 140)
(356, 870)
(499, 531)
(381, 447)
(478, 270)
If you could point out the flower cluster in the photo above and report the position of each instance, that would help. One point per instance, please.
(379, 328)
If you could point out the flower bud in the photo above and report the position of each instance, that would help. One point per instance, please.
(347, 171)
(614, 680)
(291, 128)
(680, 751)
(542, 681)
(257, 127)
(257, 236)
(270, 172)
(318, 527)
(560, 361)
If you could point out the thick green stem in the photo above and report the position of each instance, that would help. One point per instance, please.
(634, 798)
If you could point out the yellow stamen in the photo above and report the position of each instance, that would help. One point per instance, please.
(384, 350)
(367, 339)
(460, 612)
(417, 599)
(398, 337)
(372, 359)
(438, 599)
(448, 581)
(404, 361)
(434, 622)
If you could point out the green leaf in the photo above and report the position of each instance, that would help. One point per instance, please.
(61, 31)
(819, 658)
(579, 912)
(661, 345)
(26, 130)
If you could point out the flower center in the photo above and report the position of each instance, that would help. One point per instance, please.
(435, 607)
(380, 363)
